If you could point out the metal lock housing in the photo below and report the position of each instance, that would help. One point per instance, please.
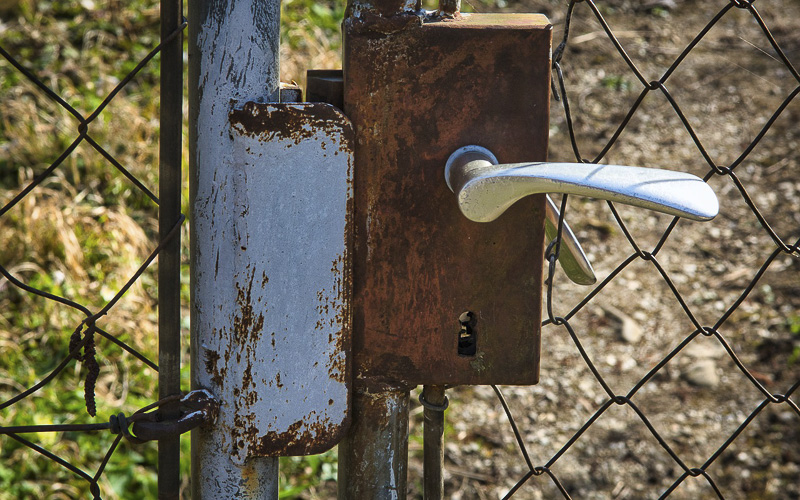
(439, 299)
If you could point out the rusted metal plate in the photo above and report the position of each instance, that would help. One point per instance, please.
(416, 91)
(277, 358)
(381, 7)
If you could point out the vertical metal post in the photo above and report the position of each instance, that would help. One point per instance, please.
(435, 402)
(169, 259)
(373, 458)
(233, 55)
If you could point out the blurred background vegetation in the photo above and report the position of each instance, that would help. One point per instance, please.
(84, 231)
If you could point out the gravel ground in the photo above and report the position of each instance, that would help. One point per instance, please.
(728, 88)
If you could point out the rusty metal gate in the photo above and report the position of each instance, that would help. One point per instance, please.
(393, 229)
(441, 301)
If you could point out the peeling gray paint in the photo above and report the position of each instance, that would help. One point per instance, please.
(233, 54)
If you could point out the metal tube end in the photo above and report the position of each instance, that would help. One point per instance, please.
(464, 155)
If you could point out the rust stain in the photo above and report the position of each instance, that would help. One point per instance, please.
(247, 323)
(212, 367)
(343, 366)
(374, 24)
(296, 122)
(339, 324)
(247, 377)
(450, 8)
(376, 8)
(300, 438)
(415, 95)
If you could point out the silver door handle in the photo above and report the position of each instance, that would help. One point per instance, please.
(485, 189)
(571, 256)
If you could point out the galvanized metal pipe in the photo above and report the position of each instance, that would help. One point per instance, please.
(373, 458)
(233, 55)
(434, 400)
(169, 259)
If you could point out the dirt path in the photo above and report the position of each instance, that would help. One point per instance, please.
(727, 88)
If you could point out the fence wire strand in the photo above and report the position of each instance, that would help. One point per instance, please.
(782, 248)
(81, 346)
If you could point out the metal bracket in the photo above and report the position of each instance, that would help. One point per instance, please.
(278, 280)
(197, 408)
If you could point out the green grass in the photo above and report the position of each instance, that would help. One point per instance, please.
(80, 235)
(85, 230)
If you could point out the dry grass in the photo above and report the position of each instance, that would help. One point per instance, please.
(85, 230)
(81, 234)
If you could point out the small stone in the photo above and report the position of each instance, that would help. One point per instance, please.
(702, 373)
(705, 349)
(628, 364)
(659, 4)
(629, 330)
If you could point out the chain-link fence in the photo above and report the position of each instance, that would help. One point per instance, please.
(677, 374)
(80, 226)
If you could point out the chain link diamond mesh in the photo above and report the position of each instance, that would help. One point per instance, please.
(668, 257)
(42, 297)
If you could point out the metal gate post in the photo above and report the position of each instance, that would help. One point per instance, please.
(169, 260)
(373, 458)
(435, 401)
(233, 55)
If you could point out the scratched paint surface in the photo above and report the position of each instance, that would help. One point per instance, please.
(280, 281)
(233, 57)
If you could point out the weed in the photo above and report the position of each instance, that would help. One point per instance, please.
(616, 82)
(80, 234)
(794, 329)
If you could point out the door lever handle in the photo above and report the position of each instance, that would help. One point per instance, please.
(571, 256)
(485, 189)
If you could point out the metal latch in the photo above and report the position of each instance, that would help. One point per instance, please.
(278, 281)
(198, 407)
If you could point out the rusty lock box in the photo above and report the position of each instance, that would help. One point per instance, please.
(439, 299)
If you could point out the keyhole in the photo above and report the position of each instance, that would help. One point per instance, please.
(467, 336)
